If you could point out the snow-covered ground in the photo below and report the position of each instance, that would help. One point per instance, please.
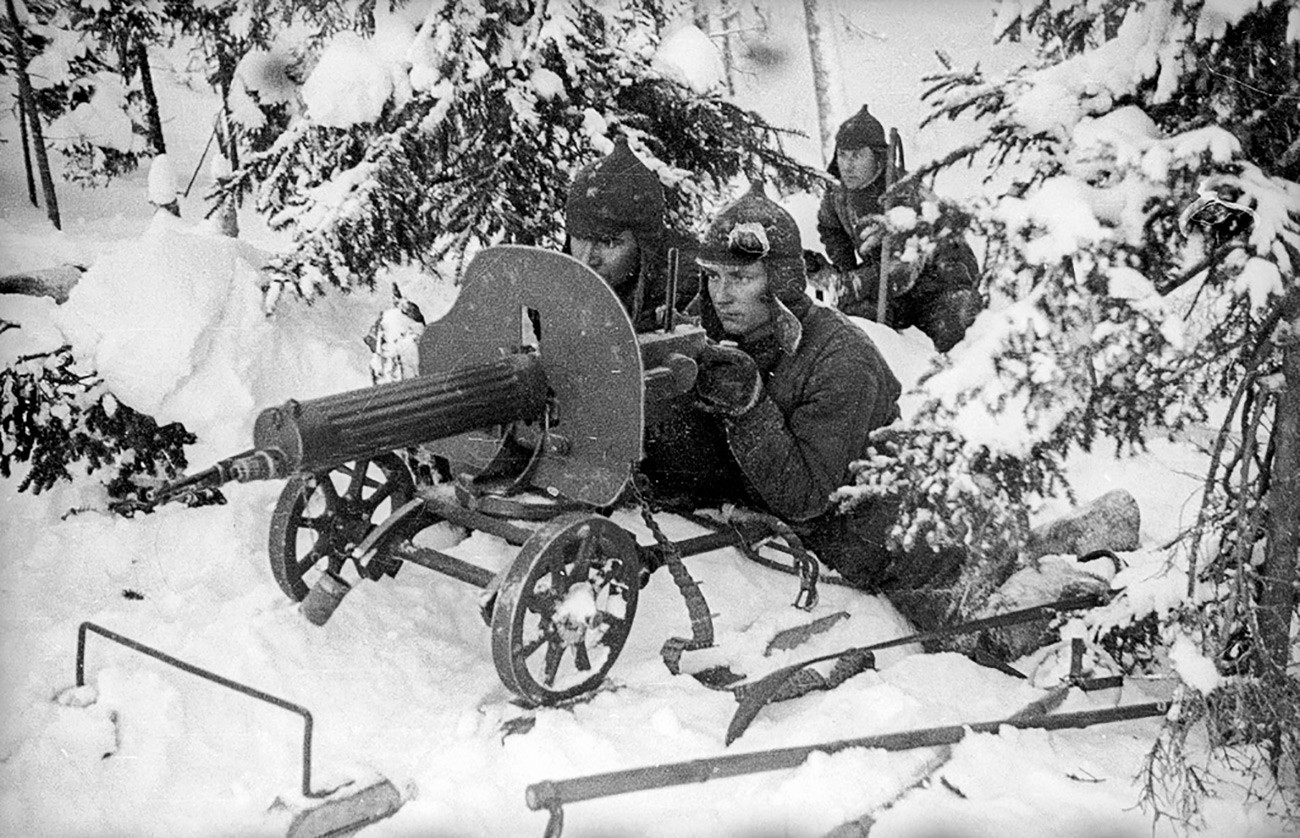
(401, 681)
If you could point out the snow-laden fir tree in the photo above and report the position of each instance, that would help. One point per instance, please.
(89, 69)
(470, 136)
(1109, 322)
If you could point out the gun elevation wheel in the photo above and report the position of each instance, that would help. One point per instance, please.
(565, 608)
(321, 517)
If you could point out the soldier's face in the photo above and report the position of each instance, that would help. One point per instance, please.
(615, 258)
(739, 295)
(858, 166)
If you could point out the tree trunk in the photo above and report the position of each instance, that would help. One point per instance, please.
(729, 16)
(821, 76)
(150, 99)
(726, 21)
(27, 153)
(226, 67)
(1277, 599)
(228, 219)
(29, 104)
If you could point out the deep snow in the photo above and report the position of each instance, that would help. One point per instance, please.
(401, 681)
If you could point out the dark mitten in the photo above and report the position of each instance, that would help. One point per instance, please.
(728, 380)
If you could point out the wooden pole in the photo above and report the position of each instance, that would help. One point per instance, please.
(550, 794)
(893, 167)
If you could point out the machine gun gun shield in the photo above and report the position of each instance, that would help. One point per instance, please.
(588, 348)
(537, 355)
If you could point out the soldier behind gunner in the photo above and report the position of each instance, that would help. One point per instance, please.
(938, 294)
(614, 223)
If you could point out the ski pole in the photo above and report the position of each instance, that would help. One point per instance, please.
(893, 167)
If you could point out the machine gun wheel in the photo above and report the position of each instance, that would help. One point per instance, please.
(321, 517)
(565, 608)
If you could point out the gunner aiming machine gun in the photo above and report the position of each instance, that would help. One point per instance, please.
(536, 389)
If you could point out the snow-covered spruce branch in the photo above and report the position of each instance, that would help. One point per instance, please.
(481, 149)
(1145, 326)
(55, 417)
(953, 494)
(1251, 375)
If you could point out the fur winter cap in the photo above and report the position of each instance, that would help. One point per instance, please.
(862, 130)
(755, 227)
(751, 229)
(614, 194)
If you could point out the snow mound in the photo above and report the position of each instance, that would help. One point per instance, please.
(175, 327)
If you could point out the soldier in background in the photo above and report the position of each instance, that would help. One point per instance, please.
(936, 292)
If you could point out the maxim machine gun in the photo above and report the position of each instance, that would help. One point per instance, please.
(535, 388)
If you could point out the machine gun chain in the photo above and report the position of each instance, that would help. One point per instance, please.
(696, 605)
(805, 562)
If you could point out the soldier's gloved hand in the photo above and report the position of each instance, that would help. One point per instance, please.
(870, 237)
(727, 381)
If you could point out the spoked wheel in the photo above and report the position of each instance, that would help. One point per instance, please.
(321, 517)
(565, 608)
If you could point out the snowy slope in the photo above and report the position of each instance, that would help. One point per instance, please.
(401, 681)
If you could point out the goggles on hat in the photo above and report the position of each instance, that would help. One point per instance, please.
(748, 240)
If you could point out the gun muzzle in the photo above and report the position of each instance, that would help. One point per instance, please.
(244, 468)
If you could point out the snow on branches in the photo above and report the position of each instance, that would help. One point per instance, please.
(1141, 270)
(1107, 320)
(55, 416)
(468, 138)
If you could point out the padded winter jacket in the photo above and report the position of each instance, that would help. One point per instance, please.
(840, 217)
(942, 302)
(818, 408)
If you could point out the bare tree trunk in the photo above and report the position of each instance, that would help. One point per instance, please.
(228, 213)
(150, 99)
(726, 20)
(29, 104)
(729, 16)
(227, 137)
(27, 153)
(1277, 598)
(821, 77)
